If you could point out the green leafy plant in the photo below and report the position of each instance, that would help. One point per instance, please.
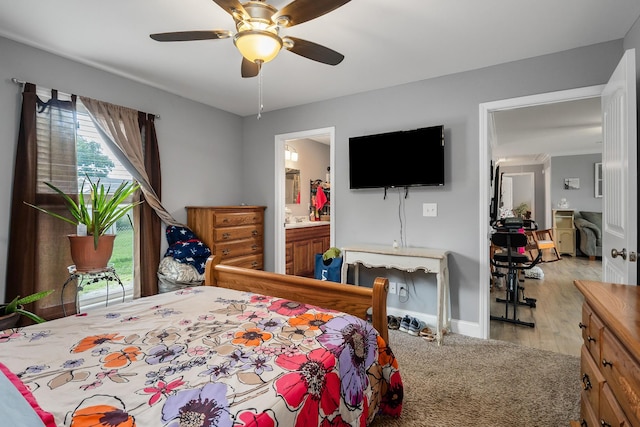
(15, 306)
(521, 209)
(100, 211)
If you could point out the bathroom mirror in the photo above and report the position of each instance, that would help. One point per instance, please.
(292, 186)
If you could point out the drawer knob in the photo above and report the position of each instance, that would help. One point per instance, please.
(254, 264)
(254, 247)
(591, 339)
(603, 423)
(225, 220)
(586, 383)
(226, 252)
(582, 325)
(606, 363)
(254, 233)
(226, 235)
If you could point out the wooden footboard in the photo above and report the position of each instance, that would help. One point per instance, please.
(350, 299)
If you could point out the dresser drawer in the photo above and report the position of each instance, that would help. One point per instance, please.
(622, 373)
(591, 378)
(237, 232)
(224, 219)
(237, 248)
(593, 336)
(610, 412)
(588, 415)
(586, 318)
(251, 261)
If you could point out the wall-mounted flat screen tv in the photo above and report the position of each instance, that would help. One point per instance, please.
(397, 159)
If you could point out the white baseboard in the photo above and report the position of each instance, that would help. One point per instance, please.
(462, 327)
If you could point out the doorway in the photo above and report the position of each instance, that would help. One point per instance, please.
(323, 135)
(486, 133)
(518, 192)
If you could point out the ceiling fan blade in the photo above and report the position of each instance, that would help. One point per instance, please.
(184, 36)
(299, 11)
(232, 7)
(249, 69)
(314, 51)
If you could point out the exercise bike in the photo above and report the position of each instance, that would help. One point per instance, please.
(509, 236)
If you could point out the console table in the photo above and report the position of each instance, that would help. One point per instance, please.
(405, 259)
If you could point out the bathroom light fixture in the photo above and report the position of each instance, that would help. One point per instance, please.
(290, 153)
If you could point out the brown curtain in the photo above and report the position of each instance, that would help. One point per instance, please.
(150, 223)
(37, 245)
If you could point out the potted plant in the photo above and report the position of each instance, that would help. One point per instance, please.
(11, 312)
(97, 214)
(521, 210)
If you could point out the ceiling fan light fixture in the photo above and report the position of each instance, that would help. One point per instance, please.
(258, 45)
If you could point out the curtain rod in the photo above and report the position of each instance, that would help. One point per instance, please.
(22, 83)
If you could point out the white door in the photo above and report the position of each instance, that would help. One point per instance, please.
(619, 166)
(507, 192)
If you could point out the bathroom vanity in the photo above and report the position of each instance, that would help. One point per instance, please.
(303, 241)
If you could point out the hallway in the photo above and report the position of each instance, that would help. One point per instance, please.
(558, 308)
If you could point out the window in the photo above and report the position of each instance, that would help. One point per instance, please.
(598, 180)
(66, 166)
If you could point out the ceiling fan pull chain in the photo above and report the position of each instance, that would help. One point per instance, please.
(260, 105)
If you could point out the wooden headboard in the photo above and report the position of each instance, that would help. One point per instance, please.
(350, 299)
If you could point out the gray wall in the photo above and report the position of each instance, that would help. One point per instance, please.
(200, 146)
(582, 167)
(364, 216)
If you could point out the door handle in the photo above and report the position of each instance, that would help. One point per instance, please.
(622, 253)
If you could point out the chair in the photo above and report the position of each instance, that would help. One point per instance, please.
(509, 238)
(539, 241)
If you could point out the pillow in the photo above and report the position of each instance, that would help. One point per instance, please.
(594, 217)
(175, 270)
(18, 406)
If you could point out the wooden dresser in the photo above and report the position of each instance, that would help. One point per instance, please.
(235, 233)
(610, 362)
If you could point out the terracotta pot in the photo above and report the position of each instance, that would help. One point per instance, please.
(8, 320)
(86, 257)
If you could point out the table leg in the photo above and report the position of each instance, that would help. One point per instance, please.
(356, 274)
(439, 308)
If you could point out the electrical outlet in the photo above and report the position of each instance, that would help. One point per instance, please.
(392, 288)
(429, 209)
(402, 289)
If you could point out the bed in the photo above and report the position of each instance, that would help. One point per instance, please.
(251, 348)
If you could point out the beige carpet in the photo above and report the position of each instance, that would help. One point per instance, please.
(484, 383)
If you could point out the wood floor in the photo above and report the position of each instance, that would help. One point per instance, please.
(558, 307)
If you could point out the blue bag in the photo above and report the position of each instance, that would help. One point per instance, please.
(329, 269)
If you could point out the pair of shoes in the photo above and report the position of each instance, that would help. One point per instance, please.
(393, 322)
(429, 337)
(425, 331)
(427, 334)
(416, 326)
(405, 323)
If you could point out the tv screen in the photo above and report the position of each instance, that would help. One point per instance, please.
(397, 159)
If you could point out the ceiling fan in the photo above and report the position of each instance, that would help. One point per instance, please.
(258, 26)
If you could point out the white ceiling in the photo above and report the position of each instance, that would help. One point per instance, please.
(385, 43)
(531, 134)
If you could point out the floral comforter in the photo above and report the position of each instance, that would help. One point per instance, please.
(207, 356)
